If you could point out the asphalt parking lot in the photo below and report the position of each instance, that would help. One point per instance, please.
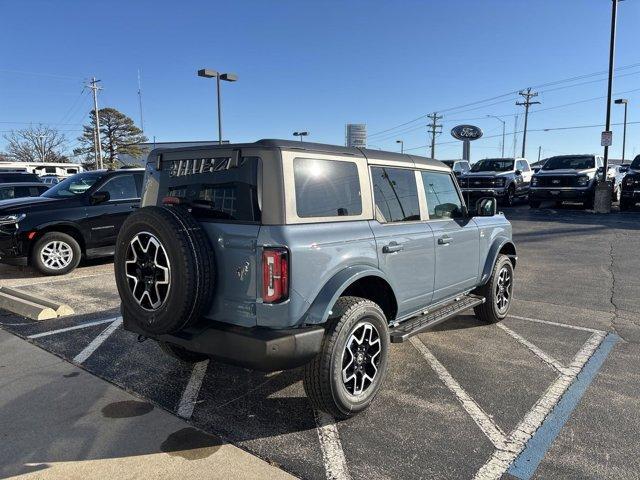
(550, 393)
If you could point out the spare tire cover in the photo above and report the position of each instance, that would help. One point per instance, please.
(164, 268)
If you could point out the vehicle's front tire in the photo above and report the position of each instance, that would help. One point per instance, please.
(625, 204)
(534, 203)
(344, 378)
(181, 353)
(510, 198)
(589, 203)
(56, 253)
(498, 292)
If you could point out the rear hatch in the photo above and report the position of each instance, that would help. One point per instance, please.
(220, 187)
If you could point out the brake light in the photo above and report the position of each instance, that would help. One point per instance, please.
(170, 200)
(275, 275)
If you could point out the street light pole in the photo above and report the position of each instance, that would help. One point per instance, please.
(612, 52)
(300, 134)
(401, 142)
(227, 77)
(623, 101)
(503, 130)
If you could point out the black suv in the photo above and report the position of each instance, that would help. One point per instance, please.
(80, 216)
(506, 179)
(18, 177)
(630, 193)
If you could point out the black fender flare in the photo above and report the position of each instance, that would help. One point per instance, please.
(492, 257)
(320, 309)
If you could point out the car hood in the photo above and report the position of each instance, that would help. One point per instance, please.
(25, 204)
(487, 174)
(564, 171)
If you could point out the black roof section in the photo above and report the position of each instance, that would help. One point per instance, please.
(22, 184)
(302, 146)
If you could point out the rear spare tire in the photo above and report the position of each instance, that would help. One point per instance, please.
(164, 269)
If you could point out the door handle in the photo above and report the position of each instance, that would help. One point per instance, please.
(445, 240)
(392, 248)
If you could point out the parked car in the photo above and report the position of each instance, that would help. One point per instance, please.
(21, 189)
(630, 191)
(50, 179)
(459, 167)
(7, 176)
(615, 173)
(78, 217)
(506, 179)
(566, 177)
(277, 254)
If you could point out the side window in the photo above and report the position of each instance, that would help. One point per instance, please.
(6, 193)
(522, 166)
(396, 194)
(457, 167)
(121, 187)
(599, 162)
(443, 200)
(465, 167)
(326, 188)
(139, 177)
(21, 192)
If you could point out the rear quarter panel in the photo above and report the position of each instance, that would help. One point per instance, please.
(493, 231)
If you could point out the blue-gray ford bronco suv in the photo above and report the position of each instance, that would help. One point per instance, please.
(279, 254)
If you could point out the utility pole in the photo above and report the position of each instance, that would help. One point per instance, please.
(528, 95)
(515, 135)
(93, 85)
(140, 102)
(539, 152)
(433, 126)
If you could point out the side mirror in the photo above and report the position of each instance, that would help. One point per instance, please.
(486, 207)
(518, 172)
(100, 197)
(624, 168)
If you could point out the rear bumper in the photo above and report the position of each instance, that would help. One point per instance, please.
(541, 193)
(257, 348)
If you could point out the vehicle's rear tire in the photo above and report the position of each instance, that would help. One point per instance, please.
(164, 269)
(534, 203)
(344, 378)
(498, 292)
(55, 253)
(181, 353)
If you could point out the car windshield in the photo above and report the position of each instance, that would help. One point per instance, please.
(636, 163)
(448, 163)
(582, 162)
(493, 165)
(72, 186)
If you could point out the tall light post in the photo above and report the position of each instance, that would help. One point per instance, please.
(401, 142)
(623, 101)
(300, 134)
(227, 77)
(503, 129)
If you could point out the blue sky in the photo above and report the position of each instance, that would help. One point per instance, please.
(318, 65)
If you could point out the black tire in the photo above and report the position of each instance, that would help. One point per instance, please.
(510, 198)
(323, 375)
(181, 353)
(489, 311)
(625, 204)
(534, 203)
(589, 202)
(558, 204)
(66, 246)
(188, 269)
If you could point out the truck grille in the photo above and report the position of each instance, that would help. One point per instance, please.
(559, 181)
(477, 182)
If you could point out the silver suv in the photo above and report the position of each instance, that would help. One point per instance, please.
(279, 254)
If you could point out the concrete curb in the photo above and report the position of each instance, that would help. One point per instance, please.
(32, 306)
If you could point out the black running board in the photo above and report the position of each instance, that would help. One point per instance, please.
(408, 328)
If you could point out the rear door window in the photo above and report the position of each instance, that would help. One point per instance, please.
(326, 188)
(396, 194)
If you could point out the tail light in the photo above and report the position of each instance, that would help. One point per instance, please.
(275, 275)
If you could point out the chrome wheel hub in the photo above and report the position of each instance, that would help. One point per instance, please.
(148, 271)
(504, 289)
(360, 358)
(56, 255)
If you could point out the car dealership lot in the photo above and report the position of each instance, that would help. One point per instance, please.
(463, 400)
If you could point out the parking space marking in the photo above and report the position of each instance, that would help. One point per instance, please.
(61, 279)
(75, 327)
(557, 324)
(527, 462)
(96, 342)
(493, 432)
(335, 463)
(192, 390)
(548, 359)
(502, 459)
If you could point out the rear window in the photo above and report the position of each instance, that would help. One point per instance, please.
(223, 192)
(326, 188)
(18, 177)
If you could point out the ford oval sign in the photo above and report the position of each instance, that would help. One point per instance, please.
(466, 132)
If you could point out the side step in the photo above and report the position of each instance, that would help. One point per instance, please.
(419, 324)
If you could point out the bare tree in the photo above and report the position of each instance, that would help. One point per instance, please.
(36, 144)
